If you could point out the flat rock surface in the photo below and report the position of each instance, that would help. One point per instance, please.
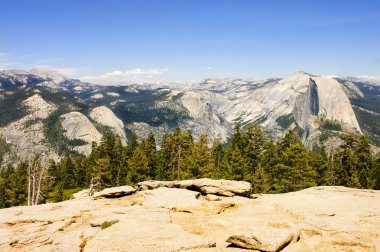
(174, 219)
(265, 238)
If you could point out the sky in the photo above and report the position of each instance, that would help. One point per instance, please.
(115, 41)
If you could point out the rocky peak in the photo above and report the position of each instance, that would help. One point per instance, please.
(51, 75)
(104, 116)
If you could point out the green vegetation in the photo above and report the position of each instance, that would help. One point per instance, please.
(331, 125)
(143, 106)
(272, 167)
(107, 224)
(12, 107)
(53, 132)
(68, 193)
(367, 111)
(4, 148)
(104, 130)
(285, 121)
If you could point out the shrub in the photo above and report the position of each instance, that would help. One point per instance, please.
(107, 224)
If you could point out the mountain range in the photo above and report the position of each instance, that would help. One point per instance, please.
(44, 112)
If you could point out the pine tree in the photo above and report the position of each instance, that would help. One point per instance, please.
(200, 160)
(117, 162)
(320, 164)
(294, 170)
(101, 177)
(68, 173)
(255, 141)
(164, 158)
(150, 149)
(132, 144)
(377, 174)
(269, 158)
(260, 180)
(217, 152)
(365, 165)
(174, 155)
(81, 172)
(138, 166)
(234, 164)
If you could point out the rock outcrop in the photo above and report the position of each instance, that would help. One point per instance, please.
(27, 134)
(78, 126)
(204, 185)
(114, 192)
(174, 219)
(270, 239)
(104, 116)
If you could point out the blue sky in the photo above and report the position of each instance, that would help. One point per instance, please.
(106, 41)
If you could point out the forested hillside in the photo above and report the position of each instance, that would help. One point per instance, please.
(272, 167)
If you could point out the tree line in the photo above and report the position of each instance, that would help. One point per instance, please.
(271, 166)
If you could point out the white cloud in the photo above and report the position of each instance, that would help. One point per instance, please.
(71, 72)
(374, 79)
(137, 75)
(209, 68)
(370, 77)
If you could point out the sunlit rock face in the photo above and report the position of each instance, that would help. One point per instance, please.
(160, 218)
(301, 101)
(78, 126)
(104, 116)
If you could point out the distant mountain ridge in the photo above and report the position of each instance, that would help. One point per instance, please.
(43, 111)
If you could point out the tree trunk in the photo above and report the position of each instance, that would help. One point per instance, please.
(29, 185)
(41, 176)
(179, 163)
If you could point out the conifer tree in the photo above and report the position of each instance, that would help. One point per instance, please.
(320, 164)
(150, 149)
(200, 160)
(255, 141)
(234, 164)
(68, 173)
(101, 177)
(217, 152)
(138, 166)
(260, 181)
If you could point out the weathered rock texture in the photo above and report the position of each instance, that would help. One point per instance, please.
(26, 134)
(78, 126)
(174, 219)
(114, 192)
(106, 117)
(204, 185)
(265, 238)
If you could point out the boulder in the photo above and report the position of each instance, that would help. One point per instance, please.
(265, 238)
(204, 185)
(82, 194)
(114, 192)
